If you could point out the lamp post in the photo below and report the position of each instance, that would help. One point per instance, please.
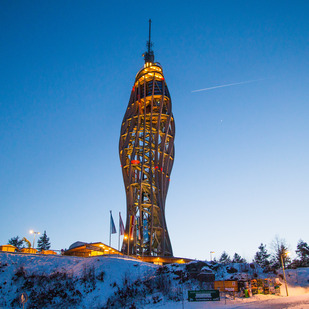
(34, 233)
(284, 253)
(211, 253)
(125, 237)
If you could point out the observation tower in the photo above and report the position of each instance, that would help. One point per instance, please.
(146, 150)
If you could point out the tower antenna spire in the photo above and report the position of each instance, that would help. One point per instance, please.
(149, 42)
(149, 55)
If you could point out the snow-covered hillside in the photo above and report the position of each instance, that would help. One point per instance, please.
(66, 282)
(117, 282)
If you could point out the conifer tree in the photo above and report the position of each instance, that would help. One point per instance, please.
(224, 258)
(238, 259)
(43, 242)
(302, 253)
(262, 257)
(16, 242)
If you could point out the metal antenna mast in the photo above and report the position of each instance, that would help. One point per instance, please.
(149, 55)
(149, 41)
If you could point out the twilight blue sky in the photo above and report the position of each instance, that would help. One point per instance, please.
(241, 172)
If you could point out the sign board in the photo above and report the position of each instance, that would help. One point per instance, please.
(226, 286)
(204, 295)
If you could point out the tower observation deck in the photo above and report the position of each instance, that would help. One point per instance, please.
(146, 150)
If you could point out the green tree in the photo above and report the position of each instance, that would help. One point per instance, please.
(224, 258)
(262, 258)
(238, 259)
(43, 242)
(16, 242)
(302, 252)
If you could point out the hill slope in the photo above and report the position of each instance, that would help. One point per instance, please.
(116, 282)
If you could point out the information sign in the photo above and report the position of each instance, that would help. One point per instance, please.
(204, 295)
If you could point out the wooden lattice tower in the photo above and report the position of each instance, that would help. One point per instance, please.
(146, 150)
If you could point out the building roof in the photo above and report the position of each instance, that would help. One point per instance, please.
(77, 244)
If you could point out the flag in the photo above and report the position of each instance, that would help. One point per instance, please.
(132, 221)
(112, 227)
(121, 226)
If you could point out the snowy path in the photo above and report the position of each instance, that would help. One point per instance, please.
(259, 302)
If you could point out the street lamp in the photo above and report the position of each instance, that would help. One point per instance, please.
(211, 252)
(284, 253)
(126, 237)
(34, 233)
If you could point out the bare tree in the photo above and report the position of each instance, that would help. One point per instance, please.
(280, 248)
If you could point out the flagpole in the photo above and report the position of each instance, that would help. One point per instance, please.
(135, 234)
(110, 228)
(119, 233)
(129, 234)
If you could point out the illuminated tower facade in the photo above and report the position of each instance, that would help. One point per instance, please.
(146, 150)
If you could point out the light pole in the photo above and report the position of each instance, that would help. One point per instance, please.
(34, 233)
(284, 253)
(211, 253)
(125, 237)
